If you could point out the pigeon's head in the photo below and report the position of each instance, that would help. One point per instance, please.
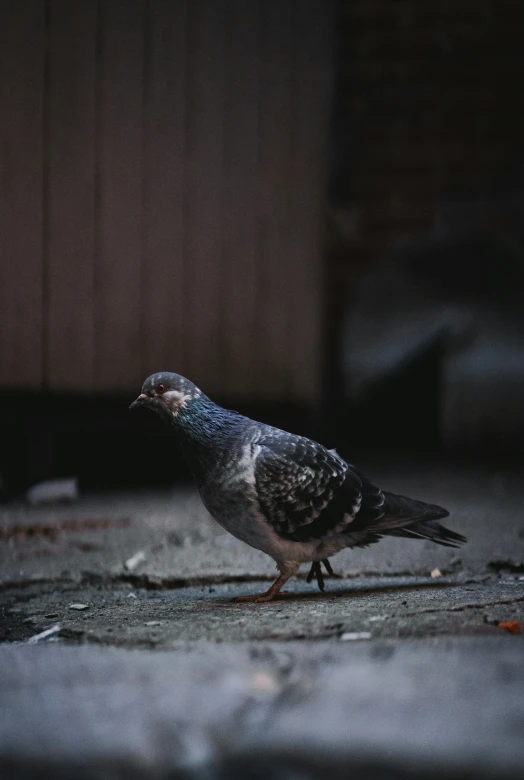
(166, 394)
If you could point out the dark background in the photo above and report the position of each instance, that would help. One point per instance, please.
(261, 196)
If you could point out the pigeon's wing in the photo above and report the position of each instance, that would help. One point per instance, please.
(308, 492)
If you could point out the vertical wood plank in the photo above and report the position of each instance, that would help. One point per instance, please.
(118, 331)
(166, 339)
(207, 182)
(204, 283)
(275, 288)
(70, 194)
(240, 187)
(311, 78)
(22, 65)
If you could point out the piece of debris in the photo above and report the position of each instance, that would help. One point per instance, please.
(132, 596)
(153, 622)
(79, 607)
(51, 530)
(351, 636)
(135, 560)
(87, 546)
(51, 615)
(49, 632)
(263, 683)
(53, 491)
(435, 573)
(511, 626)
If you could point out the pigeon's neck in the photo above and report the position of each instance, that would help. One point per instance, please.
(204, 431)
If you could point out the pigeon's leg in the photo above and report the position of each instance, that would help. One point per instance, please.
(287, 570)
(311, 572)
(328, 567)
(316, 571)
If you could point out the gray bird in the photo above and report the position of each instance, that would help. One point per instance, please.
(283, 494)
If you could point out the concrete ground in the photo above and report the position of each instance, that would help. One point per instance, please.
(409, 664)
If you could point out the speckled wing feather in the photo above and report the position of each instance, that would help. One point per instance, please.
(305, 490)
(308, 492)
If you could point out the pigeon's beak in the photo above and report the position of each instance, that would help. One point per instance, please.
(140, 401)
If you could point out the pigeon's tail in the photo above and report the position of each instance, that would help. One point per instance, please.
(403, 508)
(415, 520)
(430, 530)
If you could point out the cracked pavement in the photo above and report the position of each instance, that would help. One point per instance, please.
(152, 572)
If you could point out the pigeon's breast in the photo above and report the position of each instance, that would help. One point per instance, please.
(232, 501)
(230, 497)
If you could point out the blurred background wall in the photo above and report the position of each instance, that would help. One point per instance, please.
(312, 208)
(425, 256)
(162, 189)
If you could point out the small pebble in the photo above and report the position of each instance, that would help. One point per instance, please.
(153, 623)
(79, 607)
(436, 573)
(51, 615)
(263, 683)
(132, 596)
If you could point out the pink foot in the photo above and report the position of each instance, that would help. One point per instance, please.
(257, 598)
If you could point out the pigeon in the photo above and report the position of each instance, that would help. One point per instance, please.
(284, 494)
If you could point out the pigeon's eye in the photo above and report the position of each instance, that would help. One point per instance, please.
(160, 389)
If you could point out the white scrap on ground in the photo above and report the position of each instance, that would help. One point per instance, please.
(47, 634)
(351, 636)
(53, 491)
(135, 560)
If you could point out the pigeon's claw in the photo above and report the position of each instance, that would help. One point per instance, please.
(269, 595)
(328, 566)
(316, 571)
(254, 599)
